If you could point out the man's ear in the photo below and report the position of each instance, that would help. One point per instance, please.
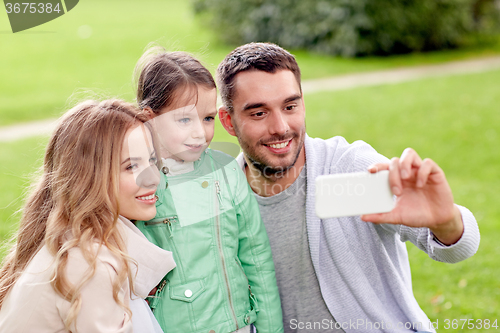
(148, 112)
(226, 121)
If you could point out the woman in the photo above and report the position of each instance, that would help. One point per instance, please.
(79, 264)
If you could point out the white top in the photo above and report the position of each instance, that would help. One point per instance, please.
(33, 306)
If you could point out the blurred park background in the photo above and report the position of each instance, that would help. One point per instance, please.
(455, 119)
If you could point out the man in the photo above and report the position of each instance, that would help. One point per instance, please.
(346, 274)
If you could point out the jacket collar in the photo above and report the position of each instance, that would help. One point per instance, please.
(153, 263)
(175, 168)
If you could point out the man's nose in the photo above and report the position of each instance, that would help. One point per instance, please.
(279, 124)
(149, 177)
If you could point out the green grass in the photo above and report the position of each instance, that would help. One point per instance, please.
(455, 121)
(44, 66)
(49, 63)
(19, 162)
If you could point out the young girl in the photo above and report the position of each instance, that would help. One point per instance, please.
(206, 213)
(78, 260)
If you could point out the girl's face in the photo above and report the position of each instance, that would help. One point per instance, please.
(186, 129)
(139, 175)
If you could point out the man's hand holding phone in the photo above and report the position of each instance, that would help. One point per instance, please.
(423, 197)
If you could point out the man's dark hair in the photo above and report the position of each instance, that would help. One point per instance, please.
(265, 57)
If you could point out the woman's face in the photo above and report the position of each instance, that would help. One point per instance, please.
(139, 175)
(186, 130)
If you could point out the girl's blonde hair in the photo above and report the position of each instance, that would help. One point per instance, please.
(75, 203)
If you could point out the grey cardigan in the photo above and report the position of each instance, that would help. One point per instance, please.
(363, 268)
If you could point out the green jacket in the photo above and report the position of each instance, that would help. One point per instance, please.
(224, 279)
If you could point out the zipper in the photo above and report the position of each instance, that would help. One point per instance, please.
(154, 300)
(162, 285)
(242, 270)
(168, 221)
(219, 243)
(219, 196)
(253, 300)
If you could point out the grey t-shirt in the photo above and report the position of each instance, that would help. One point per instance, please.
(284, 216)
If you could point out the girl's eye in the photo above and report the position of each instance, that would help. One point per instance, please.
(184, 120)
(153, 160)
(209, 119)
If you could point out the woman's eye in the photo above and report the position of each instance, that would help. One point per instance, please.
(153, 160)
(132, 166)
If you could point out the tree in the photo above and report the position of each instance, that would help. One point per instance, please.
(351, 27)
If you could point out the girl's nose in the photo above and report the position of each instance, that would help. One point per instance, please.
(198, 130)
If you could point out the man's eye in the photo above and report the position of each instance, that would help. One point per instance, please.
(258, 114)
(290, 107)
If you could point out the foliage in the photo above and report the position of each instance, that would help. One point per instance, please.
(351, 27)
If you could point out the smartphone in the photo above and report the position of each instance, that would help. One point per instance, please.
(350, 194)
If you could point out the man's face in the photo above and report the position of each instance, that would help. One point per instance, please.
(269, 118)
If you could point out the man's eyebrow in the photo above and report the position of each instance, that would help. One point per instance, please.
(293, 98)
(260, 104)
(253, 106)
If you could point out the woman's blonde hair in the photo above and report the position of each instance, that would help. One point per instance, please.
(75, 203)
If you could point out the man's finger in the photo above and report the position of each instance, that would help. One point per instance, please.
(409, 158)
(374, 168)
(428, 167)
(378, 218)
(395, 176)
